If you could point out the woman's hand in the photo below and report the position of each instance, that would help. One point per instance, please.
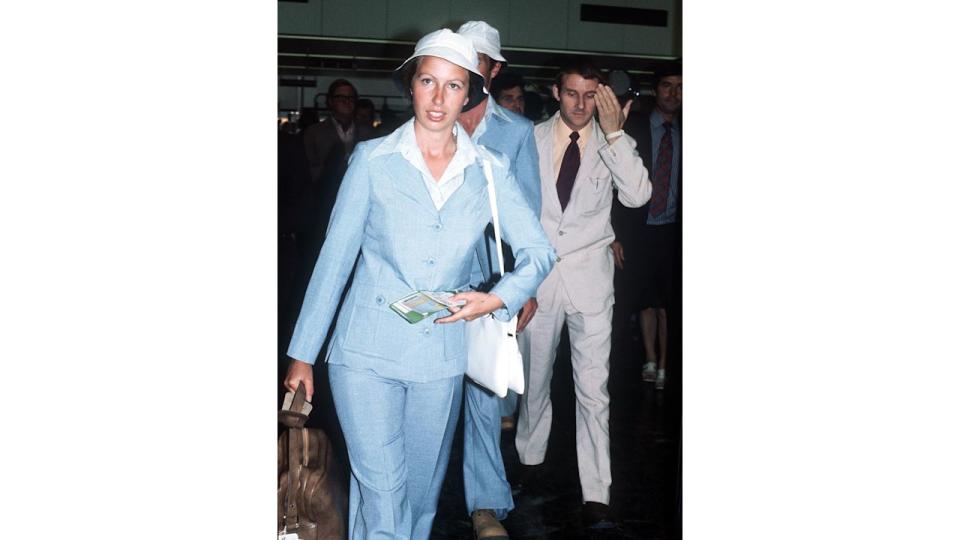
(298, 372)
(477, 304)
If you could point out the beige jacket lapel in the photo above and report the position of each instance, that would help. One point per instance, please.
(548, 176)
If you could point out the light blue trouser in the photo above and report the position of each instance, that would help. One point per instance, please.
(484, 480)
(399, 435)
(508, 405)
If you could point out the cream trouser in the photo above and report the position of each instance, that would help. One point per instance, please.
(590, 354)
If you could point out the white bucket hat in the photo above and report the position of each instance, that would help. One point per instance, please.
(452, 47)
(485, 38)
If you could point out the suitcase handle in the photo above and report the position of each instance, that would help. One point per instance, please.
(295, 459)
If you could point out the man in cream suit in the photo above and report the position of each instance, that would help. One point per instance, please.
(582, 161)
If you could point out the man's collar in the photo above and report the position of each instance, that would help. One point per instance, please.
(336, 122)
(465, 143)
(657, 119)
(563, 129)
(493, 109)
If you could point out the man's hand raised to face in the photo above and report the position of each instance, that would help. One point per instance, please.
(609, 113)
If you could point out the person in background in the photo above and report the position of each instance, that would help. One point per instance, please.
(533, 106)
(328, 145)
(335, 137)
(583, 162)
(365, 114)
(293, 175)
(487, 491)
(413, 207)
(647, 237)
(507, 91)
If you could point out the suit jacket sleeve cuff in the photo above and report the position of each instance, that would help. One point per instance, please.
(512, 298)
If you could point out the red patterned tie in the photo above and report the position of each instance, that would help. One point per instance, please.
(661, 173)
(568, 170)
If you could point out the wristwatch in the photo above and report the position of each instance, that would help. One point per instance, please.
(613, 134)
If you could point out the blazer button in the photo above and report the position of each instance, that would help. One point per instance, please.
(431, 262)
(379, 299)
(437, 226)
(558, 259)
(560, 233)
(426, 331)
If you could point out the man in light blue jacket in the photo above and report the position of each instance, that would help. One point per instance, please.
(487, 491)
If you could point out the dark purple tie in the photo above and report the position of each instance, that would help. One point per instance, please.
(661, 173)
(568, 170)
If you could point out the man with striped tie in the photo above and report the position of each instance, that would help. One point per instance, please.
(647, 237)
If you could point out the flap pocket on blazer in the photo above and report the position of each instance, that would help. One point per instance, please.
(374, 329)
(377, 332)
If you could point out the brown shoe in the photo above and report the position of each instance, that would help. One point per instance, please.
(486, 526)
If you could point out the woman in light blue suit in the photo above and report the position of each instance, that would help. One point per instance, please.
(413, 205)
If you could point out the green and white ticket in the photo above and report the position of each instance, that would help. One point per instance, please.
(419, 305)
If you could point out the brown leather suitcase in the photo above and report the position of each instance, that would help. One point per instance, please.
(317, 508)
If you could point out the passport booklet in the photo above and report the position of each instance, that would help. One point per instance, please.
(419, 305)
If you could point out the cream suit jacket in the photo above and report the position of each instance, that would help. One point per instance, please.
(581, 234)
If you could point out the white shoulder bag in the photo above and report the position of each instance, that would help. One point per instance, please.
(493, 354)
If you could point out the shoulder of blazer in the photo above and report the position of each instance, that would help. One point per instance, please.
(497, 159)
(375, 154)
(510, 119)
(318, 134)
(544, 129)
(380, 146)
(324, 128)
(507, 131)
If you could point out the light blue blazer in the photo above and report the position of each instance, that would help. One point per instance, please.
(384, 212)
(511, 135)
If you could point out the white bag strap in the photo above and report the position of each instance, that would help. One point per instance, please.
(492, 193)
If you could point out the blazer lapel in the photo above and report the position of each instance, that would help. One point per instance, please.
(408, 181)
(549, 178)
(473, 183)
